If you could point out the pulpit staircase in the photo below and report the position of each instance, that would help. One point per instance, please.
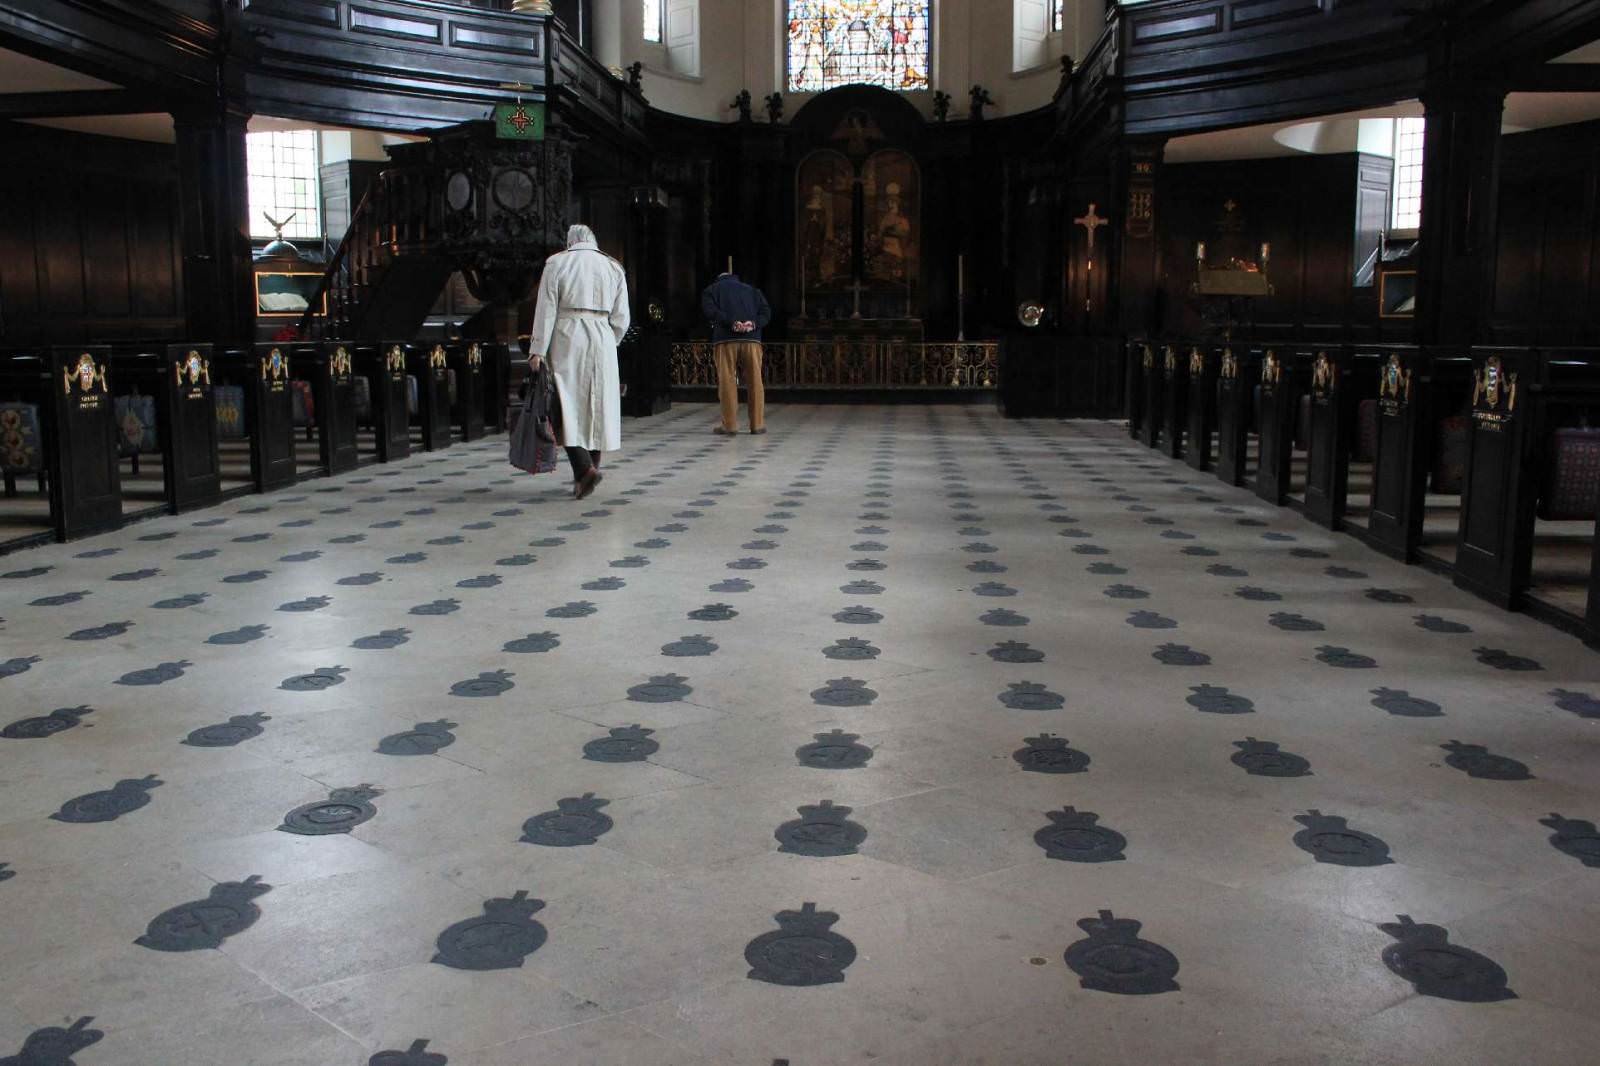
(460, 201)
(387, 272)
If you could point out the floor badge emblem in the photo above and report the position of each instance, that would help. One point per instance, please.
(235, 730)
(47, 725)
(498, 939)
(1328, 839)
(342, 811)
(1073, 836)
(803, 951)
(625, 744)
(320, 678)
(1575, 837)
(1262, 758)
(206, 923)
(425, 739)
(488, 683)
(821, 830)
(1475, 760)
(126, 795)
(834, 750)
(1114, 959)
(1048, 754)
(575, 821)
(1435, 967)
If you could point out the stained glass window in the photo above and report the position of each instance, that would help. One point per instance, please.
(858, 42)
(283, 176)
(1408, 134)
(652, 20)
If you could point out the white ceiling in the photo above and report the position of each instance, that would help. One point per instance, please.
(23, 74)
(1524, 111)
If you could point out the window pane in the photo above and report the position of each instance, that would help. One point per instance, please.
(1408, 137)
(652, 20)
(283, 181)
(855, 42)
(1057, 15)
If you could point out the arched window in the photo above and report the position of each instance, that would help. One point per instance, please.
(858, 42)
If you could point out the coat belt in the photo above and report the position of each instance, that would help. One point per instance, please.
(582, 312)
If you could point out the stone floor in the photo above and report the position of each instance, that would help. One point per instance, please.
(1137, 770)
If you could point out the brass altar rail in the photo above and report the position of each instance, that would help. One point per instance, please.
(852, 364)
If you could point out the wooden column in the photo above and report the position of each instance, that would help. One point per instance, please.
(1460, 211)
(218, 280)
(1136, 266)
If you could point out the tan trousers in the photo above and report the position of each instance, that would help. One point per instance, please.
(730, 355)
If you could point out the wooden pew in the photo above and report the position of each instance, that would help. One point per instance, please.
(79, 428)
(333, 376)
(1275, 432)
(1174, 399)
(1133, 389)
(1399, 470)
(1515, 392)
(1151, 407)
(467, 360)
(1201, 409)
(1237, 371)
(1332, 427)
(384, 366)
(430, 367)
(178, 378)
(496, 385)
(269, 407)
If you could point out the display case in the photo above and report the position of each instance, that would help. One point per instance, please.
(287, 294)
(1397, 294)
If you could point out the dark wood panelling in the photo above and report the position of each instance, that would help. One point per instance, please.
(1305, 207)
(88, 238)
(1548, 252)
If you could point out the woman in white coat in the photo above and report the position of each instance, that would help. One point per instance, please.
(580, 317)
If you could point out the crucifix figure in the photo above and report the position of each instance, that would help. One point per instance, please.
(1091, 221)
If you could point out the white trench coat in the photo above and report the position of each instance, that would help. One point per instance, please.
(581, 315)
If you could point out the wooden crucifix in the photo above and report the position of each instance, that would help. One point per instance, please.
(1090, 221)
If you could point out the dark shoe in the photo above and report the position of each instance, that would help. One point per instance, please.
(719, 431)
(757, 432)
(587, 483)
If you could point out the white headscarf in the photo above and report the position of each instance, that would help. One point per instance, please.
(580, 234)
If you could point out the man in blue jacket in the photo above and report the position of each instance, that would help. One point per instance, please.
(737, 313)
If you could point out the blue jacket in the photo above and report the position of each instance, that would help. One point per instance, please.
(728, 300)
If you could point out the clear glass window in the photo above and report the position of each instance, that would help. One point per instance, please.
(652, 20)
(283, 181)
(1408, 137)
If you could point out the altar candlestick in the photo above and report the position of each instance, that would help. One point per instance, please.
(730, 264)
(1200, 253)
(961, 298)
(1266, 254)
